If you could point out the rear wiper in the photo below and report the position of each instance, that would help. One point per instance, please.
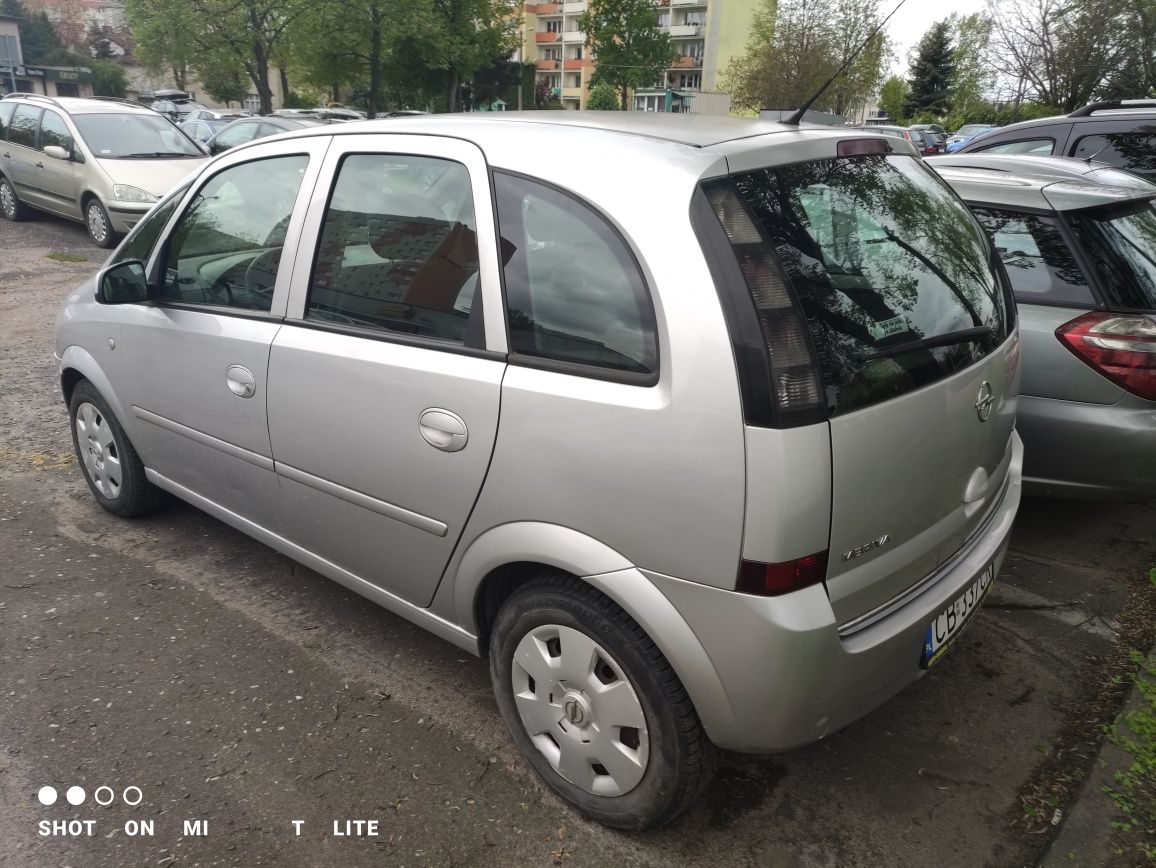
(947, 339)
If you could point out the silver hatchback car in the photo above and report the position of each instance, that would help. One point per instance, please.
(699, 433)
(1079, 254)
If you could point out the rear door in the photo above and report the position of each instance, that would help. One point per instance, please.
(385, 379)
(912, 330)
(20, 152)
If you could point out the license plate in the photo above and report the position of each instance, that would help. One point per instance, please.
(949, 624)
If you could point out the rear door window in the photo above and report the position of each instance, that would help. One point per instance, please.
(399, 249)
(1038, 261)
(874, 276)
(1133, 151)
(25, 120)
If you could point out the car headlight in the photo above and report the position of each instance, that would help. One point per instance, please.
(125, 193)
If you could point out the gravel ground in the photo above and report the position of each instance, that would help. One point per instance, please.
(232, 686)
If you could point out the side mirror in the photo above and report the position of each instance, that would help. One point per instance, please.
(56, 152)
(123, 283)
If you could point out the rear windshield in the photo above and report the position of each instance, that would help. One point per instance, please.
(888, 267)
(1121, 244)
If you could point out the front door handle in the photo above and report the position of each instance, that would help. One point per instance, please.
(241, 381)
(442, 429)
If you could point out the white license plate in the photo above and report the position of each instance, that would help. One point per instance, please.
(949, 624)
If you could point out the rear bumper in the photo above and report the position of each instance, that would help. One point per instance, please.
(789, 676)
(1088, 450)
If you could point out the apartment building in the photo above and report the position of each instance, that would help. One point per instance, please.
(706, 33)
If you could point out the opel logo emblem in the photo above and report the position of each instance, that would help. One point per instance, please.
(984, 401)
(574, 712)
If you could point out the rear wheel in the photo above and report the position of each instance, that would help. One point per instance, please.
(595, 707)
(111, 467)
(11, 207)
(98, 225)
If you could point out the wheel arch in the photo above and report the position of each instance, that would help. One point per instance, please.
(77, 364)
(506, 557)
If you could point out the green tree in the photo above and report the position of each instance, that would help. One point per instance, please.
(631, 48)
(108, 77)
(225, 83)
(974, 77)
(602, 98)
(796, 45)
(892, 97)
(163, 32)
(932, 73)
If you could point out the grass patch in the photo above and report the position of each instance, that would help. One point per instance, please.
(63, 256)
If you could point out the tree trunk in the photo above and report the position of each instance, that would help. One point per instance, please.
(625, 96)
(260, 77)
(284, 83)
(375, 40)
(179, 77)
(452, 91)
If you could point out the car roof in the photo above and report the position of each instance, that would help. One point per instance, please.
(80, 105)
(1036, 191)
(1040, 165)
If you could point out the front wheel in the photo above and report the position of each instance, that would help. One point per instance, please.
(112, 469)
(595, 707)
(98, 225)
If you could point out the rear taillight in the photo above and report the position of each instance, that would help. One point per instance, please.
(794, 375)
(1121, 346)
(771, 580)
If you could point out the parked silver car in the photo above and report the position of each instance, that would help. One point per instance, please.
(1040, 166)
(1081, 257)
(100, 162)
(697, 433)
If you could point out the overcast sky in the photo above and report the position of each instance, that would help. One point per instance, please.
(909, 24)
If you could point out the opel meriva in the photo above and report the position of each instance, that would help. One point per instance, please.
(699, 428)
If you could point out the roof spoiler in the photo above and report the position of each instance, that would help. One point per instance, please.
(1091, 108)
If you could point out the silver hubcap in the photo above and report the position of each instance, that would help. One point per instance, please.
(96, 222)
(7, 200)
(98, 450)
(579, 710)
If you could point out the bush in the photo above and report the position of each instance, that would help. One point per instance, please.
(603, 97)
(108, 78)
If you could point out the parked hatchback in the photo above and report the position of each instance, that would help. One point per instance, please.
(1080, 256)
(737, 496)
(248, 129)
(100, 162)
(1121, 133)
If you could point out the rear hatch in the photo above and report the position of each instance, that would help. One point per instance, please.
(909, 326)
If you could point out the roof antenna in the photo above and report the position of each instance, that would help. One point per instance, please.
(797, 115)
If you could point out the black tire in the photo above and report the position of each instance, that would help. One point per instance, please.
(135, 495)
(100, 231)
(681, 759)
(10, 205)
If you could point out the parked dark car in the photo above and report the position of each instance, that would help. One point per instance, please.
(936, 137)
(248, 129)
(905, 133)
(202, 131)
(1121, 133)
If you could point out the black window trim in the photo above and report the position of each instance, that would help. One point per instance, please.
(577, 369)
(1073, 243)
(386, 335)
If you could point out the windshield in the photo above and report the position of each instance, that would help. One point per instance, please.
(1122, 248)
(133, 136)
(971, 129)
(893, 300)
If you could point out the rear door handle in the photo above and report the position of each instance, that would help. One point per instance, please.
(443, 430)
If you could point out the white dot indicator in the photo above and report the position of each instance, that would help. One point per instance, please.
(47, 795)
(75, 795)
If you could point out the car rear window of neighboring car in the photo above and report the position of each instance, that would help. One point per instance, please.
(1133, 151)
(1121, 244)
(1038, 261)
(873, 276)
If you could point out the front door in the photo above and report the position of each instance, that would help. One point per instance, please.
(195, 358)
(385, 380)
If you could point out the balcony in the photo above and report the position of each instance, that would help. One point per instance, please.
(544, 8)
(574, 7)
(547, 37)
(683, 31)
(572, 63)
(574, 36)
(688, 2)
(687, 62)
(548, 65)
(572, 92)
